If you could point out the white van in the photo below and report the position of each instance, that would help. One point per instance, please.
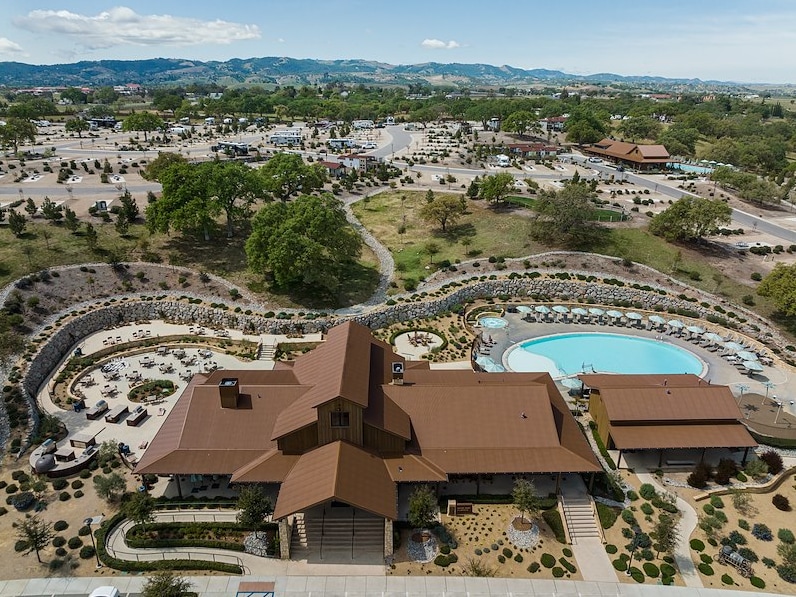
(210, 120)
(118, 126)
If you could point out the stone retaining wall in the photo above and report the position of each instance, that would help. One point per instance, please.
(62, 342)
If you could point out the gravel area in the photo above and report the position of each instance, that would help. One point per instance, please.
(422, 552)
(523, 538)
(256, 543)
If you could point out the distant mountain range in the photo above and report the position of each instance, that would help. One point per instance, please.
(293, 71)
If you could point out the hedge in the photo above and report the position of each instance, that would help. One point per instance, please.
(567, 564)
(727, 579)
(651, 570)
(601, 447)
(553, 520)
(131, 566)
(607, 515)
(620, 564)
(558, 572)
(757, 582)
(548, 560)
(610, 548)
(667, 570)
(705, 569)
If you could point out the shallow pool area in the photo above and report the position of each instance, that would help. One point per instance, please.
(562, 355)
(492, 323)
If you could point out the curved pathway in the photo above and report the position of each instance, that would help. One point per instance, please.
(117, 547)
(688, 522)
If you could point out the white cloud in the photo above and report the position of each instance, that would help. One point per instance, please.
(123, 26)
(438, 44)
(9, 48)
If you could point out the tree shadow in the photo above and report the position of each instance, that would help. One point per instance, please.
(457, 233)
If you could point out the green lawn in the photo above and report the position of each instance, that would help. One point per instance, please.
(44, 245)
(482, 232)
(600, 214)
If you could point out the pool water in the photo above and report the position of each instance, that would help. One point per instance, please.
(492, 322)
(690, 168)
(568, 354)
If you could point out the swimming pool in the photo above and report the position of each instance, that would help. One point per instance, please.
(567, 354)
(492, 322)
(690, 168)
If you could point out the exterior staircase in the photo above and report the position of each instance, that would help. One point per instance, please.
(267, 351)
(336, 536)
(580, 516)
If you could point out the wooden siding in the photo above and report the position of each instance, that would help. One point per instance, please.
(299, 441)
(351, 434)
(599, 415)
(383, 442)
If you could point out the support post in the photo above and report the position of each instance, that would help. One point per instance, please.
(619, 460)
(745, 456)
(179, 487)
(660, 458)
(388, 532)
(591, 482)
(558, 483)
(702, 456)
(284, 539)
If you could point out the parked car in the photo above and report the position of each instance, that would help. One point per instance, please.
(105, 591)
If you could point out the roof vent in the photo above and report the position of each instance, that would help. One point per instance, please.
(229, 391)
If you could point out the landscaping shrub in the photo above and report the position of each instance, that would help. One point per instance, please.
(647, 491)
(705, 558)
(64, 496)
(637, 575)
(727, 579)
(558, 572)
(716, 502)
(708, 509)
(629, 517)
(502, 559)
(59, 541)
(567, 552)
(610, 548)
(445, 549)
(548, 560)
(86, 552)
(768, 562)
(726, 470)
(74, 543)
(60, 525)
(762, 532)
(79, 493)
(20, 545)
(77, 484)
(757, 582)
(646, 508)
(651, 570)
(786, 536)
(568, 565)
(706, 569)
(747, 553)
(507, 552)
(781, 502)
(59, 484)
(518, 558)
(787, 572)
(534, 568)
(743, 524)
(737, 538)
(84, 531)
(773, 460)
(699, 476)
(442, 561)
(620, 565)
(667, 570)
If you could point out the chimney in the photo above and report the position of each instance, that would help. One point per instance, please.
(228, 390)
(398, 373)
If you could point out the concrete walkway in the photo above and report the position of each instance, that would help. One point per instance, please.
(593, 561)
(688, 522)
(362, 586)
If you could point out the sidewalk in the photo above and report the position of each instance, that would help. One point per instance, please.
(688, 522)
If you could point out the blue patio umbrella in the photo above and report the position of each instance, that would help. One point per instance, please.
(745, 355)
(675, 323)
(657, 319)
(573, 383)
(580, 311)
(695, 329)
(614, 313)
(713, 337)
(524, 309)
(560, 309)
(752, 366)
(734, 346)
(542, 309)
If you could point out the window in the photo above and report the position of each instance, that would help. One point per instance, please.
(340, 419)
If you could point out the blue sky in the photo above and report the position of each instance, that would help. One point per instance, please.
(710, 39)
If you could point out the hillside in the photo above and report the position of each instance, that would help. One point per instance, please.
(283, 70)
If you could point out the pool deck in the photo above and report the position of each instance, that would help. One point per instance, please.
(719, 371)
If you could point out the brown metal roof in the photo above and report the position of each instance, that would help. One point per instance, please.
(201, 437)
(647, 154)
(599, 381)
(414, 468)
(670, 404)
(650, 437)
(338, 471)
(270, 467)
(464, 421)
